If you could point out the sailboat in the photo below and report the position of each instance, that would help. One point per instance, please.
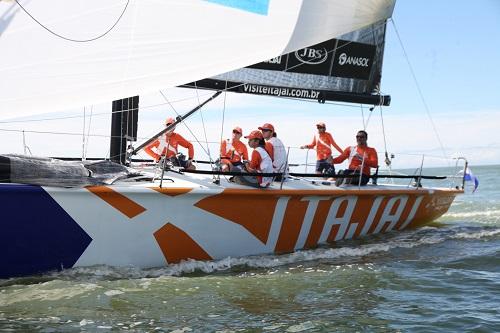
(63, 214)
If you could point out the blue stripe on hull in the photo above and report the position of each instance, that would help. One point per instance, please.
(36, 234)
(254, 6)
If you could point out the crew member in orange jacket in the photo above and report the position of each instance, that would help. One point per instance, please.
(167, 144)
(323, 142)
(233, 151)
(359, 156)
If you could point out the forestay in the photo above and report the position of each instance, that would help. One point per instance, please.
(154, 45)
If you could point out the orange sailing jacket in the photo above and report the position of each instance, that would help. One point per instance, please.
(367, 153)
(233, 151)
(322, 142)
(167, 145)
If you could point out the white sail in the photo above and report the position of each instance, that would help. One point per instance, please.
(154, 45)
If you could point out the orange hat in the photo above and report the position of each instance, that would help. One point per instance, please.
(169, 121)
(238, 129)
(255, 135)
(321, 124)
(267, 126)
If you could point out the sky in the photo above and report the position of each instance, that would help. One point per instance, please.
(453, 48)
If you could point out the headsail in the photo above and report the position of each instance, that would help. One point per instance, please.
(347, 68)
(154, 44)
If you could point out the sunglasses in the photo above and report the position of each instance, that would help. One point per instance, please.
(236, 132)
(266, 130)
(360, 137)
(320, 127)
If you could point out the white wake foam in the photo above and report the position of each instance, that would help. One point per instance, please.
(406, 240)
(478, 213)
(476, 235)
(271, 261)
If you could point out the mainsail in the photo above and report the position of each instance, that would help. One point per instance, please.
(347, 68)
(152, 45)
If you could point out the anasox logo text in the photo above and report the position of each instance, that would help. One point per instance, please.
(354, 61)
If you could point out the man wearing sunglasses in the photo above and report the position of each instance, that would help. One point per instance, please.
(361, 157)
(323, 142)
(167, 144)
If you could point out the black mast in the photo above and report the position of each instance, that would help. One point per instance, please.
(123, 127)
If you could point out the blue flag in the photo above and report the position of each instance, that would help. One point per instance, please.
(469, 176)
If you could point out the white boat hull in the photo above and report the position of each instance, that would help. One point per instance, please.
(143, 225)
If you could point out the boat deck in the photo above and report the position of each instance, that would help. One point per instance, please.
(174, 180)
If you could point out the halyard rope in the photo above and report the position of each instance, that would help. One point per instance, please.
(72, 39)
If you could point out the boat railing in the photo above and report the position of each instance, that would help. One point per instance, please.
(431, 170)
(441, 171)
(387, 174)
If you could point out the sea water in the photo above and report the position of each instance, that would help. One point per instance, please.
(442, 278)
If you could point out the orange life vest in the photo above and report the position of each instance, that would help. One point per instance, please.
(322, 142)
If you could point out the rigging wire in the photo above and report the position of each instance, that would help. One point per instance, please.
(61, 133)
(387, 160)
(369, 117)
(203, 124)
(80, 116)
(223, 116)
(363, 116)
(184, 123)
(100, 113)
(426, 107)
(72, 39)
(383, 130)
(88, 131)
(223, 122)
(83, 136)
